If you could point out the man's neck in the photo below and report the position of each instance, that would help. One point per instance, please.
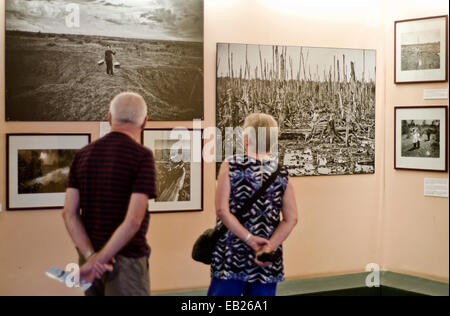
(133, 133)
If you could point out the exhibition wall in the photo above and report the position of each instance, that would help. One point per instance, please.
(345, 222)
(415, 228)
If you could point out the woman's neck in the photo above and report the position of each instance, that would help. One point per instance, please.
(263, 156)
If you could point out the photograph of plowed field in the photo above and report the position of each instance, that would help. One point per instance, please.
(57, 77)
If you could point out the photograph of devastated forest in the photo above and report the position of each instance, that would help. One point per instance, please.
(322, 98)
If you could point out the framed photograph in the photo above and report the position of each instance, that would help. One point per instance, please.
(323, 99)
(421, 138)
(179, 169)
(421, 50)
(38, 168)
(67, 59)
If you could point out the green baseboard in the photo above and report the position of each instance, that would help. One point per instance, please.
(414, 284)
(391, 284)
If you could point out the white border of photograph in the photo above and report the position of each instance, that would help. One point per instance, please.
(149, 136)
(421, 113)
(421, 25)
(16, 142)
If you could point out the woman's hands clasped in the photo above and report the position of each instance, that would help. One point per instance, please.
(260, 245)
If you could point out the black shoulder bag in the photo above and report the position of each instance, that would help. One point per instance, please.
(206, 243)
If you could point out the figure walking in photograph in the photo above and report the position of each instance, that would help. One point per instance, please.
(429, 132)
(109, 60)
(417, 137)
(414, 138)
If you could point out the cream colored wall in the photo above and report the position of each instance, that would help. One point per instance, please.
(415, 228)
(342, 218)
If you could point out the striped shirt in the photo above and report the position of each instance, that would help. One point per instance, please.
(106, 173)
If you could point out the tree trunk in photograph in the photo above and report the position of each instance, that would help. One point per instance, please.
(261, 63)
(338, 72)
(341, 105)
(344, 71)
(229, 62)
(246, 74)
(347, 129)
(299, 65)
(303, 65)
(232, 68)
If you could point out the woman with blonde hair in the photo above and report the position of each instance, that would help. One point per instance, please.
(258, 229)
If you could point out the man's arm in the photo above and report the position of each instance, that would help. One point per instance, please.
(126, 231)
(74, 225)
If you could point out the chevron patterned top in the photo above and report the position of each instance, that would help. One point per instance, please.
(232, 258)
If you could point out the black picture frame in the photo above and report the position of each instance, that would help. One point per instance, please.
(201, 171)
(420, 159)
(443, 50)
(12, 195)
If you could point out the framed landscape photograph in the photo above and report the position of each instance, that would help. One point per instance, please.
(38, 168)
(323, 99)
(179, 169)
(67, 59)
(421, 138)
(421, 50)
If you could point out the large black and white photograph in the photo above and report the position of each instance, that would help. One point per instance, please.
(322, 98)
(421, 50)
(38, 168)
(66, 59)
(179, 169)
(421, 138)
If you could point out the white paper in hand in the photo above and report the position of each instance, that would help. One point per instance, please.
(65, 277)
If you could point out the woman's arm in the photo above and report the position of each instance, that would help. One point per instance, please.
(289, 221)
(223, 211)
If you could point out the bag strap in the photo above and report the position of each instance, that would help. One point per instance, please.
(262, 190)
(255, 197)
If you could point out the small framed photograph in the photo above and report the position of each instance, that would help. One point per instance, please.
(38, 167)
(421, 50)
(421, 138)
(179, 169)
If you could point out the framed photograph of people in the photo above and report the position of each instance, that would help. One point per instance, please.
(421, 138)
(421, 50)
(38, 168)
(179, 169)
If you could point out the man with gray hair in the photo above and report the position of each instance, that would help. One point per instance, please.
(110, 181)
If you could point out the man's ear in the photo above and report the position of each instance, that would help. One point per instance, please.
(110, 118)
(145, 122)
